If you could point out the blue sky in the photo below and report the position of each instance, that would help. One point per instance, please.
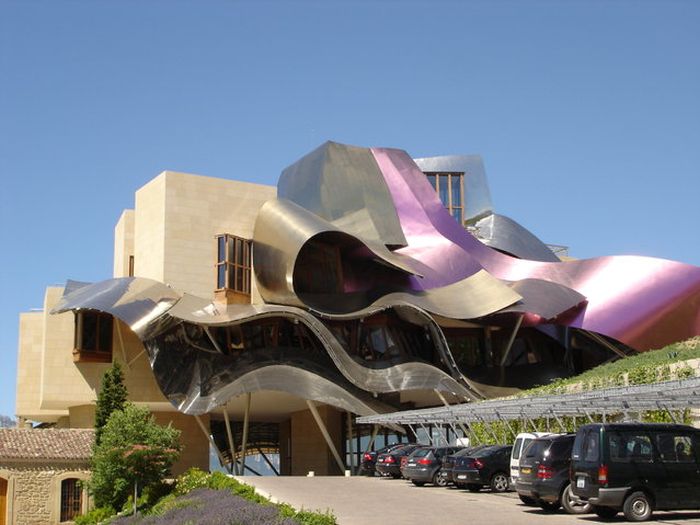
(587, 114)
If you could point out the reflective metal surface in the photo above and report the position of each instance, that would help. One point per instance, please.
(342, 185)
(505, 234)
(641, 301)
(359, 236)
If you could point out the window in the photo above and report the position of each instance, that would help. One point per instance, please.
(675, 448)
(233, 264)
(71, 502)
(630, 446)
(93, 337)
(131, 265)
(450, 189)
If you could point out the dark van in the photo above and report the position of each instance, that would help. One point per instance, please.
(636, 468)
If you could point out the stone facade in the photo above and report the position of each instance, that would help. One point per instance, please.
(34, 490)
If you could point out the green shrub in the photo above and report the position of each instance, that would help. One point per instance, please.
(95, 516)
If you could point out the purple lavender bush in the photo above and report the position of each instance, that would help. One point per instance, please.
(212, 507)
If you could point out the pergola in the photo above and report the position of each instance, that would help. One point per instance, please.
(626, 400)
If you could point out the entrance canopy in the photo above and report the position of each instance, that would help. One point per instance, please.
(668, 395)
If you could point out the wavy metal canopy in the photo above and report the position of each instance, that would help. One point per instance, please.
(388, 249)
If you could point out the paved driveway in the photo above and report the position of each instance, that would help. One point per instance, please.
(379, 501)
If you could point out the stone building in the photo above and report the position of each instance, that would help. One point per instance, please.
(40, 475)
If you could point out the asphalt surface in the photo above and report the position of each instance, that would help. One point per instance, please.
(380, 501)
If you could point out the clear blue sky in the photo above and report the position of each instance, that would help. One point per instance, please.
(587, 114)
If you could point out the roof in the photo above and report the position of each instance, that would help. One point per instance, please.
(67, 444)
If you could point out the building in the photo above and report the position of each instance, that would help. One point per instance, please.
(266, 319)
(40, 474)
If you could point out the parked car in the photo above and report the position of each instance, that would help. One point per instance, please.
(488, 466)
(369, 459)
(521, 442)
(544, 474)
(448, 462)
(389, 463)
(636, 468)
(424, 464)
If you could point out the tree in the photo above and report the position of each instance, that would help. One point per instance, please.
(112, 397)
(134, 452)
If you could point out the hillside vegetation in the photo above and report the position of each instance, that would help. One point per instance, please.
(675, 361)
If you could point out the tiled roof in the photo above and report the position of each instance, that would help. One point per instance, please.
(48, 443)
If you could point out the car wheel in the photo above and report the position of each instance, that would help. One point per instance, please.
(604, 512)
(548, 506)
(637, 507)
(418, 483)
(572, 505)
(499, 482)
(439, 480)
(473, 487)
(527, 500)
(460, 485)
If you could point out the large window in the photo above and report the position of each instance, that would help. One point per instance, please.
(70, 499)
(450, 189)
(93, 337)
(233, 264)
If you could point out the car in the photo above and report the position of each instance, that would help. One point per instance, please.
(369, 459)
(636, 468)
(424, 464)
(388, 464)
(521, 442)
(486, 467)
(544, 474)
(448, 461)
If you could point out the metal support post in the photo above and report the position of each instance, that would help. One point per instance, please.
(231, 444)
(326, 435)
(350, 447)
(269, 463)
(444, 402)
(509, 345)
(211, 440)
(246, 422)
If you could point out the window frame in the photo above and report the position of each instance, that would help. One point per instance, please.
(69, 506)
(439, 178)
(232, 267)
(103, 322)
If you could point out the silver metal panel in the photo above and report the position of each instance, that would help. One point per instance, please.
(136, 301)
(544, 299)
(506, 235)
(342, 184)
(281, 230)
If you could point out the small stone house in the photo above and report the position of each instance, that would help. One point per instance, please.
(40, 474)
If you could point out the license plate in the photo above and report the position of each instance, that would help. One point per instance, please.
(411, 464)
(380, 461)
(580, 482)
(526, 470)
(461, 476)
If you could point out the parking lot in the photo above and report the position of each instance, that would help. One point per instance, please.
(381, 501)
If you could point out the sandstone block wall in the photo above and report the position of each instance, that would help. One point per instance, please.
(34, 490)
